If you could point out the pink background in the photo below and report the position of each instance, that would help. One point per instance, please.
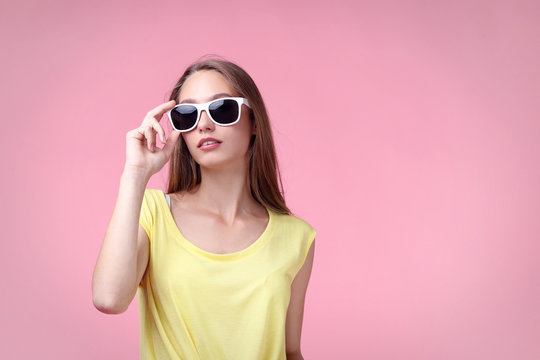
(408, 134)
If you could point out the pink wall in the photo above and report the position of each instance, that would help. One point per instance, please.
(408, 135)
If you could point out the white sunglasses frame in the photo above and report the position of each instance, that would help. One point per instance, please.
(205, 106)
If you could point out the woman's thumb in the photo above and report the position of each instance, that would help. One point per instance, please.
(171, 141)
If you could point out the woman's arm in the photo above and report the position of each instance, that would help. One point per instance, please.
(295, 312)
(120, 263)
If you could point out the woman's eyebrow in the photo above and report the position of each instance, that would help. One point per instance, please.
(210, 98)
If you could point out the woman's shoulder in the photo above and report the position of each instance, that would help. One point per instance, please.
(153, 196)
(153, 190)
(151, 193)
(295, 221)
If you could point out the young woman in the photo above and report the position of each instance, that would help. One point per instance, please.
(219, 264)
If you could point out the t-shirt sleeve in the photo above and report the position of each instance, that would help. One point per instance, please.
(308, 236)
(146, 220)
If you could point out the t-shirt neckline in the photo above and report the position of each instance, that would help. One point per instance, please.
(261, 240)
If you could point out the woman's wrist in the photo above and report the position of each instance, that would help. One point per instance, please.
(135, 174)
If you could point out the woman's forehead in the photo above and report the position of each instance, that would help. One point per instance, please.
(203, 85)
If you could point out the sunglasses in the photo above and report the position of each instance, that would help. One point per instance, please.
(225, 112)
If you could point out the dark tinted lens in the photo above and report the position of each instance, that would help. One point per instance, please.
(224, 111)
(184, 116)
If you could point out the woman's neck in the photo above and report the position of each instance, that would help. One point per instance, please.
(225, 192)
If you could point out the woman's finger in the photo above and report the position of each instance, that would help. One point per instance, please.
(159, 129)
(149, 134)
(158, 111)
(171, 143)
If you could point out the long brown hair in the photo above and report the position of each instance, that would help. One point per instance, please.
(185, 173)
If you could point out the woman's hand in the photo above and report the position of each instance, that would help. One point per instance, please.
(142, 154)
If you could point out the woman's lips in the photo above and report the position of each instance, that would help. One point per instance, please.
(209, 146)
(206, 139)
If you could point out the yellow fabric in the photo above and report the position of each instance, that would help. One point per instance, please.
(194, 304)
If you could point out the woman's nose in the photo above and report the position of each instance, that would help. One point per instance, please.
(204, 122)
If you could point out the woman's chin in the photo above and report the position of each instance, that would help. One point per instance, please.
(219, 163)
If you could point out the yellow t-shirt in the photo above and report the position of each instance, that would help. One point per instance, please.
(194, 304)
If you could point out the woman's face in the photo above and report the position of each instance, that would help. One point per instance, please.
(201, 87)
